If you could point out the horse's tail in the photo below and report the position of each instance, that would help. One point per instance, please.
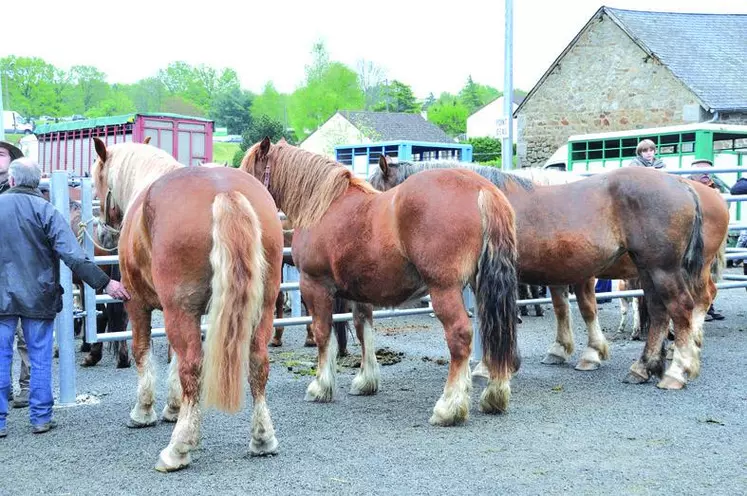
(238, 263)
(341, 328)
(497, 285)
(693, 261)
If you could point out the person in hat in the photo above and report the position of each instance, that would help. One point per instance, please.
(9, 153)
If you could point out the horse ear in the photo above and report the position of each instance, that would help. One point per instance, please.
(264, 146)
(384, 165)
(100, 148)
(146, 140)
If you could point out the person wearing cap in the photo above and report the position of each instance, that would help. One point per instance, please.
(35, 237)
(8, 153)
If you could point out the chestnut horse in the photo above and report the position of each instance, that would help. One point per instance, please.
(218, 253)
(625, 223)
(384, 249)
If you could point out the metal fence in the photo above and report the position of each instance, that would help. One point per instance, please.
(64, 320)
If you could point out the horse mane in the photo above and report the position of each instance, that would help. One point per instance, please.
(129, 168)
(494, 175)
(307, 183)
(546, 177)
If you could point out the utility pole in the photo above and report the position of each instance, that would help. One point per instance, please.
(507, 147)
(2, 128)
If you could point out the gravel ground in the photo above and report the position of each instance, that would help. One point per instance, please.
(566, 431)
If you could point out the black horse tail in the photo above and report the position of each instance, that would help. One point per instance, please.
(341, 328)
(497, 285)
(693, 261)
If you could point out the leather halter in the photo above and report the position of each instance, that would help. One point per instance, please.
(107, 206)
(267, 175)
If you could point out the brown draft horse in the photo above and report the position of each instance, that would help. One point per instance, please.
(341, 306)
(624, 224)
(220, 253)
(384, 249)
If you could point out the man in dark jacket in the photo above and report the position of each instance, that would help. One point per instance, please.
(9, 153)
(34, 237)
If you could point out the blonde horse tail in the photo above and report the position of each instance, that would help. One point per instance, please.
(497, 285)
(719, 263)
(238, 263)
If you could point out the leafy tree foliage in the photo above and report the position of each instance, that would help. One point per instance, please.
(485, 149)
(449, 114)
(232, 109)
(398, 97)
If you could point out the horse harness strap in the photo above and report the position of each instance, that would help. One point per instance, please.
(267, 175)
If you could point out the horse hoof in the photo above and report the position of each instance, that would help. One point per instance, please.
(124, 364)
(670, 383)
(587, 365)
(276, 343)
(90, 361)
(170, 414)
(524, 313)
(633, 378)
(310, 343)
(263, 447)
(132, 424)
(178, 463)
(551, 359)
(85, 347)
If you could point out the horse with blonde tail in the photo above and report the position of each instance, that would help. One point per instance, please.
(384, 249)
(220, 253)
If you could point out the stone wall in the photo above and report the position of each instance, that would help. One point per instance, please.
(604, 83)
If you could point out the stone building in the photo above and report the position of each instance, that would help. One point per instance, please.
(632, 69)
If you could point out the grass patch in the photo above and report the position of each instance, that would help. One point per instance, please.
(224, 152)
(13, 139)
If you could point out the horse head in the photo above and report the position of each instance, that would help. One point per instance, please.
(388, 174)
(112, 213)
(257, 161)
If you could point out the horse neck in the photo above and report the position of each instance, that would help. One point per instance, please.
(126, 183)
(304, 193)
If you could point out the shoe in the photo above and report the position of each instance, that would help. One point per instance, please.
(708, 318)
(42, 428)
(3, 432)
(22, 399)
(716, 315)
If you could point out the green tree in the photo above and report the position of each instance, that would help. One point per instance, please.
(148, 94)
(330, 86)
(485, 149)
(27, 85)
(449, 114)
(271, 103)
(232, 109)
(117, 103)
(473, 95)
(179, 105)
(429, 100)
(260, 127)
(398, 97)
(91, 87)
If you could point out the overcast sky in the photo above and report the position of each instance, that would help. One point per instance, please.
(432, 48)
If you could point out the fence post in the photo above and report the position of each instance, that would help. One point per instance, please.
(291, 275)
(89, 294)
(64, 319)
(469, 305)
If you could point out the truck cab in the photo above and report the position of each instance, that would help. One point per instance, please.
(15, 123)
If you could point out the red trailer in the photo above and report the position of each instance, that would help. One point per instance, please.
(69, 145)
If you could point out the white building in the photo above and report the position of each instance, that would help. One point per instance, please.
(482, 123)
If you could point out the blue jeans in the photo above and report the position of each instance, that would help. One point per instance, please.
(39, 339)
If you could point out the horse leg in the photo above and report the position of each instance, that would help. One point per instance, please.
(117, 318)
(263, 440)
(562, 348)
(309, 343)
(636, 334)
(523, 295)
(452, 408)
(95, 351)
(687, 314)
(174, 399)
(651, 362)
(537, 293)
(597, 348)
(142, 414)
(183, 332)
(320, 305)
(277, 339)
(366, 381)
